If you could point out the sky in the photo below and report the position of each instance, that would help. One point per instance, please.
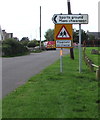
(22, 17)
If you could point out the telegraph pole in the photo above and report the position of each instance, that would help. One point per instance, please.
(40, 27)
(69, 12)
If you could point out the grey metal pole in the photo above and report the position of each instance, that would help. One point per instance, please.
(40, 27)
(61, 63)
(80, 50)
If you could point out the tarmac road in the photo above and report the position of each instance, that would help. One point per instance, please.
(17, 70)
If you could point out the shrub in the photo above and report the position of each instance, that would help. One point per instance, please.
(11, 47)
(33, 43)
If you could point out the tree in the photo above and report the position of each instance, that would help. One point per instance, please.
(33, 43)
(49, 35)
(91, 37)
(11, 47)
(84, 36)
(75, 36)
(25, 41)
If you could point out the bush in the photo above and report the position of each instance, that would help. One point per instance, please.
(11, 47)
(25, 41)
(33, 43)
(6, 49)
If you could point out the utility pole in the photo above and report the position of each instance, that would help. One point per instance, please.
(69, 12)
(40, 27)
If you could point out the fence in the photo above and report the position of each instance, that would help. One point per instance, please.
(91, 65)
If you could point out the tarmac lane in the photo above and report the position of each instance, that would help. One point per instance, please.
(17, 70)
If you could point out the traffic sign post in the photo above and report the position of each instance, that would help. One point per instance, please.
(63, 36)
(63, 31)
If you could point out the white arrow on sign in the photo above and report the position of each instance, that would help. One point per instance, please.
(70, 19)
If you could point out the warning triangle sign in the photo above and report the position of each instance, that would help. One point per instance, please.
(63, 34)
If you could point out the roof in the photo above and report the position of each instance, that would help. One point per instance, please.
(96, 34)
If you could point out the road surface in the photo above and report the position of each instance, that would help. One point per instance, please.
(17, 70)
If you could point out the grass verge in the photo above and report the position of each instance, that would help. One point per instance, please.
(52, 94)
(93, 57)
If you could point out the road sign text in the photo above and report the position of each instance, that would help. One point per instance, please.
(70, 19)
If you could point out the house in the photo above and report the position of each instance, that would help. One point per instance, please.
(0, 33)
(16, 38)
(95, 34)
(6, 35)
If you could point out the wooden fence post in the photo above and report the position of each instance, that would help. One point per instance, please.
(84, 49)
(98, 73)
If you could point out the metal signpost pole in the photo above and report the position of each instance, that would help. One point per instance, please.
(80, 50)
(61, 64)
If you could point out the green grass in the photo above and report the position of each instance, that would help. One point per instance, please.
(52, 94)
(0, 109)
(93, 57)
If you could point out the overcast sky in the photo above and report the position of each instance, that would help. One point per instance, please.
(21, 17)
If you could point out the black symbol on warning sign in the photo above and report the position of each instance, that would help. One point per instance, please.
(63, 34)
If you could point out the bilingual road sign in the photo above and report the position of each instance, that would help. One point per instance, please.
(63, 35)
(63, 32)
(63, 43)
(70, 19)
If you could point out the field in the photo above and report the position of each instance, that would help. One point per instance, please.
(95, 58)
(51, 94)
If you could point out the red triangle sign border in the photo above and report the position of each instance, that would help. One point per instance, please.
(63, 38)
